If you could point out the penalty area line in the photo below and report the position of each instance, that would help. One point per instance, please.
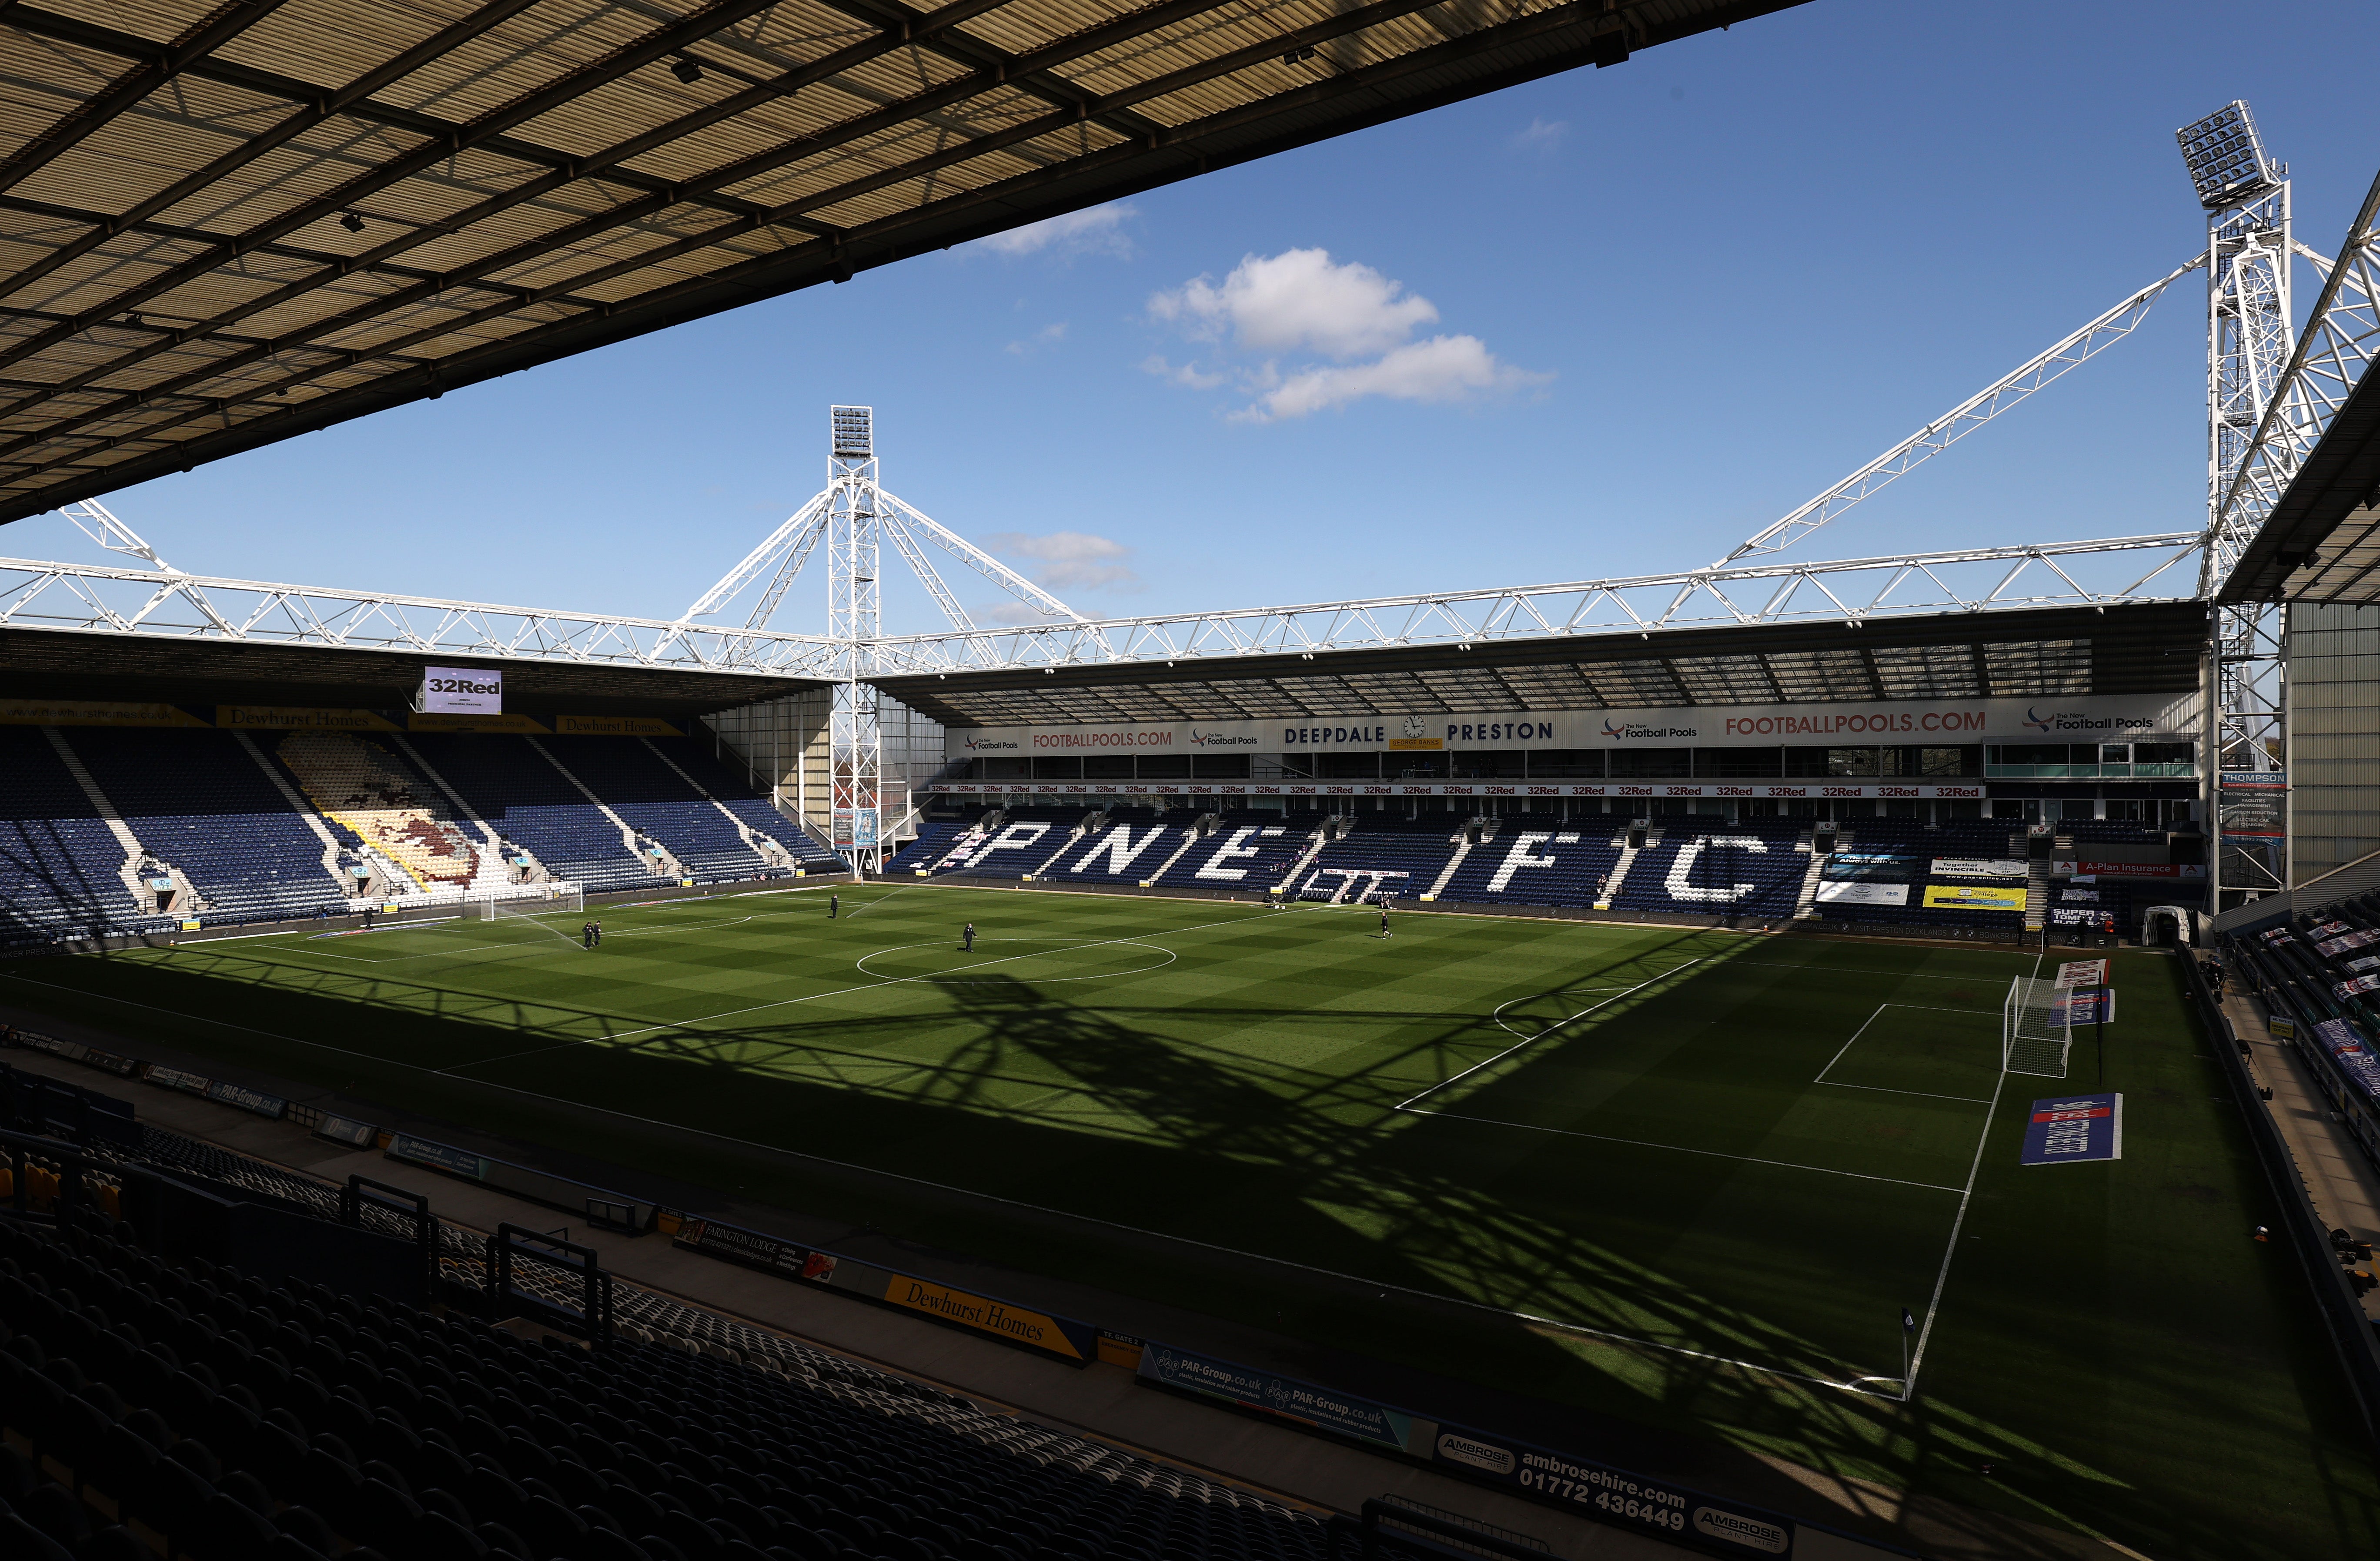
(1531, 1041)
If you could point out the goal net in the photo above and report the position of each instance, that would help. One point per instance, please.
(563, 899)
(2035, 1034)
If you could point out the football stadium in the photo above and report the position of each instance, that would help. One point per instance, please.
(1866, 1058)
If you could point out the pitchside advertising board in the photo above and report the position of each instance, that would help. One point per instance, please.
(2070, 1131)
(1916, 723)
(1614, 1496)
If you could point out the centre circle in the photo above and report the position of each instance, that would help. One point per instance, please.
(998, 960)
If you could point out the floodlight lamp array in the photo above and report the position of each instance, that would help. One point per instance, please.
(2227, 158)
(853, 432)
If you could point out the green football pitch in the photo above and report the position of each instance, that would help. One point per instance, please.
(1692, 1178)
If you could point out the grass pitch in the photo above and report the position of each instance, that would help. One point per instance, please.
(1685, 1178)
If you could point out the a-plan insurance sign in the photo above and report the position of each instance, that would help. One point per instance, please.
(461, 690)
(1916, 724)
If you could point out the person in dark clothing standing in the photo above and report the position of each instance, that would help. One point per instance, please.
(969, 935)
(834, 907)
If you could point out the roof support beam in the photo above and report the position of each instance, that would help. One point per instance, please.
(62, 29)
(296, 124)
(656, 45)
(66, 134)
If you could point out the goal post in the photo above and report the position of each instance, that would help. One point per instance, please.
(2035, 1033)
(566, 899)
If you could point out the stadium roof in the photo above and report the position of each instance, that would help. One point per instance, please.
(2137, 648)
(225, 223)
(2322, 541)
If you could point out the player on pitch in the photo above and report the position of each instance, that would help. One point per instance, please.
(969, 936)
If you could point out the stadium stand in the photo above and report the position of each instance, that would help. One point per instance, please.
(1243, 851)
(60, 865)
(935, 839)
(656, 800)
(1378, 858)
(1010, 843)
(188, 1406)
(1538, 860)
(1718, 869)
(200, 801)
(735, 791)
(1133, 847)
(526, 798)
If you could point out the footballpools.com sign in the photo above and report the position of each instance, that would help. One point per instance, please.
(461, 690)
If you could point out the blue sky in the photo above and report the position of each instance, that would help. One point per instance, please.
(1646, 310)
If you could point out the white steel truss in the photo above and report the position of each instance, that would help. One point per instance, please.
(156, 603)
(1846, 591)
(2341, 337)
(100, 599)
(1965, 418)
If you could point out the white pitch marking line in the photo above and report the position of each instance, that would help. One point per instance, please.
(1533, 1040)
(1681, 1149)
(1921, 1094)
(1880, 1007)
(1950, 1251)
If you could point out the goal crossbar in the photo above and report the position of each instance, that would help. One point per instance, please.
(562, 898)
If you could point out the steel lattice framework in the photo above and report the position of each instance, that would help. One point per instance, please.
(161, 603)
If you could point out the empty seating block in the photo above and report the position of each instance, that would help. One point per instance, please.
(1713, 867)
(1384, 858)
(732, 784)
(58, 860)
(526, 800)
(1134, 846)
(658, 801)
(1537, 859)
(239, 1418)
(201, 801)
(1247, 850)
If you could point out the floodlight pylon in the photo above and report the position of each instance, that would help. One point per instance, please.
(2250, 337)
(855, 603)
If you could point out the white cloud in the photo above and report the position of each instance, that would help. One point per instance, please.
(1298, 299)
(1099, 230)
(1185, 374)
(1542, 137)
(1442, 369)
(1074, 560)
(1302, 301)
(1048, 336)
